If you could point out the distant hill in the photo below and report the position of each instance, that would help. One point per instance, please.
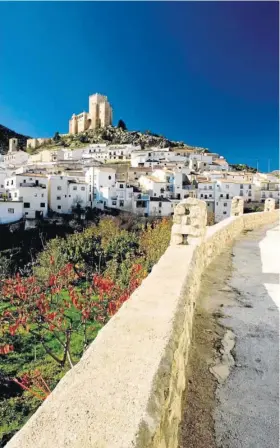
(5, 134)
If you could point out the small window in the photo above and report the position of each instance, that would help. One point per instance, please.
(224, 213)
(121, 185)
(42, 195)
(241, 186)
(12, 182)
(59, 187)
(58, 198)
(42, 204)
(83, 188)
(15, 195)
(74, 188)
(227, 186)
(114, 202)
(26, 205)
(11, 210)
(24, 181)
(225, 204)
(109, 177)
(59, 207)
(121, 203)
(210, 195)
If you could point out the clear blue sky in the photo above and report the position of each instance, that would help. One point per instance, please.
(202, 72)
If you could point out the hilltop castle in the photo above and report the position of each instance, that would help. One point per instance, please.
(99, 115)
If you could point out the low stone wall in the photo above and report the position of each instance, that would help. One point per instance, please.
(126, 392)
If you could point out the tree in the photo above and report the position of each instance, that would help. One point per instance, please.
(56, 137)
(66, 304)
(122, 125)
(154, 241)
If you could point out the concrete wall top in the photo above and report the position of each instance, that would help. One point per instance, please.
(127, 389)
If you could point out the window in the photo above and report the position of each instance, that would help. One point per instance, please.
(221, 195)
(83, 188)
(12, 182)
(217, 203)
(250, 187)
(24, 181)
(11, 210)
(7, 183)
(74, 188)
(227, 186)
(42, 204)
(114, 202)
(15, 195)
(160, 204)
(59, 207)
(121, 185)
(210, 187)
(224, 213)
(42, 195)
(201, 195)
(59, 187)
(26, 205)
(109, 177)
(58, 198)
(210, 195)
(249, 193)
(225, 204)
(121, 203)
(241, 186)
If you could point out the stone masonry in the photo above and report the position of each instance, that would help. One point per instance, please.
(237, 206)
(190, 218)
(269, 205)
(127, 390)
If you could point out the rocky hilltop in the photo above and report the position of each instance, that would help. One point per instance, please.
(6, 134)
(114, 135)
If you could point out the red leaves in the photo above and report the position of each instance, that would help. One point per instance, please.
(34, 383)
(5, 349)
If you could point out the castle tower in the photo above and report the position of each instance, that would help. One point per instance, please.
(73, 125)
(100, 111)
(13, 144)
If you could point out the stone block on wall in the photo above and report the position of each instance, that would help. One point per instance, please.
(190, 218)
(269, 205)
(237, 206)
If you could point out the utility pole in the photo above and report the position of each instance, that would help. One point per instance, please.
(268, 165)
(257, 165)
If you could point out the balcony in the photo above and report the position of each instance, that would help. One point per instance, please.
(32, 184)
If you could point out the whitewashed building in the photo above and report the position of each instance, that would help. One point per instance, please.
(31, 190)
(10, 211)
(66, 193)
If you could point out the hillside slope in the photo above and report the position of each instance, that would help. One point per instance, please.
(112, 135)
(5, 134)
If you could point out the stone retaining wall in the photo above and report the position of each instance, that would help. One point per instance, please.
(126, 392)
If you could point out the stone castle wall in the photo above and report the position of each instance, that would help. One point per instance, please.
(126, 392)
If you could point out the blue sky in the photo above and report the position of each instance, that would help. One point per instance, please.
(202, 72)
